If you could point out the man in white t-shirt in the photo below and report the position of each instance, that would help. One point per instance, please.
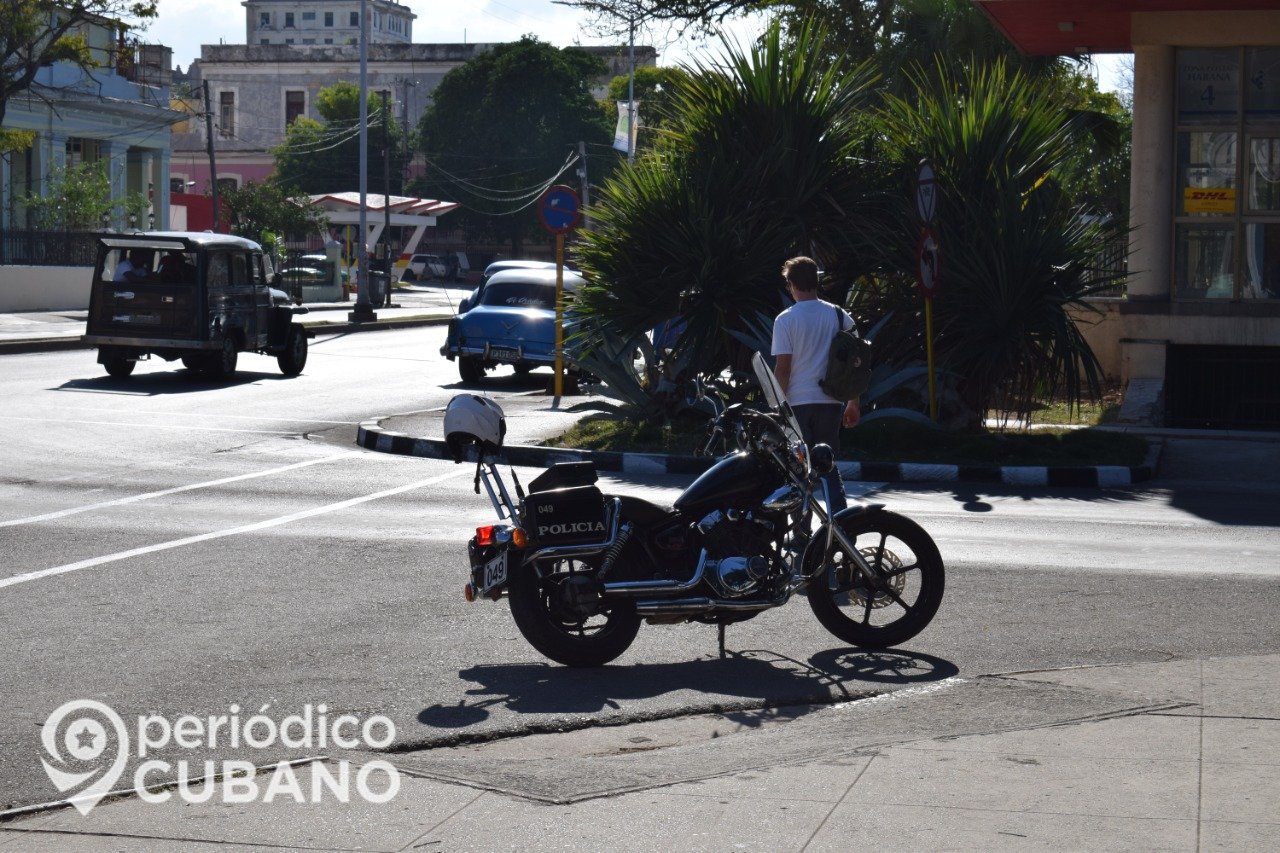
(801, 340)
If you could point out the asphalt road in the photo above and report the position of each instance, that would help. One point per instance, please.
(173, 546)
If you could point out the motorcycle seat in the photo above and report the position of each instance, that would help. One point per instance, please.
(641, 512)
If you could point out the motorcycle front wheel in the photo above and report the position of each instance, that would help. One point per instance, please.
(558, 609)
(904, 596)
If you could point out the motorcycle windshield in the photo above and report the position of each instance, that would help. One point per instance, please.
(774, 397)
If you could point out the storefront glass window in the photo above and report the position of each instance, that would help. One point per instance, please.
(1262, 261)
(1262, 82)
(1227, 190)
(1207, 166)
(1264, 173)
(1206, 261)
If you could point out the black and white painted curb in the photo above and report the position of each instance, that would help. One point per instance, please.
(371, 436)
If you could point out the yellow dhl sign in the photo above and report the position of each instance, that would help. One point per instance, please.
(1209, 200)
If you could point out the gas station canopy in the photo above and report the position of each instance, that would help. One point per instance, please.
(419, 213)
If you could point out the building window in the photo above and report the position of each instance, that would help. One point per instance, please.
(328, 41)
(355, 19)
(308, 41)
(227, 113)
(1227, 195)
(178, 185)
(328, 19)
(288, 20)
(264, 41)
(308, 16)
(288, 41)
(264, 19)
(295, 104)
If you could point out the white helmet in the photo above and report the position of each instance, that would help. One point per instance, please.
(472, 419)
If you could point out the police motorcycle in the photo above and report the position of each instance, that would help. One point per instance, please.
(582, 569)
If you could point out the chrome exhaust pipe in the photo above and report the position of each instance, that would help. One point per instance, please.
(662, 607)
(642, 587)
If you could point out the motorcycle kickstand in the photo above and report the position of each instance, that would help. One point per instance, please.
(720, 625)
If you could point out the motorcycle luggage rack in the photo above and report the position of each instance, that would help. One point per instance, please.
(487, 472)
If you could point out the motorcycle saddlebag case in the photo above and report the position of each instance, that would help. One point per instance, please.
(572, 516)
(562, 475)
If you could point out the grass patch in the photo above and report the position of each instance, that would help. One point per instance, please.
(683, 436)
(1089, 413)
(884, 441)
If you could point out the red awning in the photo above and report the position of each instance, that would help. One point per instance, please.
(1054, 27)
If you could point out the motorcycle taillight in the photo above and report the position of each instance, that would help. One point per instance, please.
(485, 535)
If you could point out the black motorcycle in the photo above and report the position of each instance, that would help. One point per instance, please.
(581, 569)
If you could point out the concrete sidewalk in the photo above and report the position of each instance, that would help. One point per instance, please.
(1180, 755)
(42, 331)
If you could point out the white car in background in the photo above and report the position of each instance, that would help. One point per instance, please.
(426, 268)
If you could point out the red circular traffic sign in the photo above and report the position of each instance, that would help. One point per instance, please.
(928, 263)
(559, 209)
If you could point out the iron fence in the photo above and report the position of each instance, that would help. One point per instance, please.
(48, 248)
(1114, 259)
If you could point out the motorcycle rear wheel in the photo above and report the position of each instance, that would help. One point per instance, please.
(558, 613)
(905, 596)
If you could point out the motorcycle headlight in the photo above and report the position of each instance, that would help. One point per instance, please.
(822, 459)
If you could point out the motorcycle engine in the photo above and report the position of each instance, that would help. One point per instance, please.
(740, 550)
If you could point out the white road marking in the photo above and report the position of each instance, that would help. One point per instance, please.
(149, 495)
(220, 534)
(186, 427)
(206, 416)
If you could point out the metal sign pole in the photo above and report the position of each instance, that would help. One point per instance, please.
(559, 315)
(928, 262)
(928, 348)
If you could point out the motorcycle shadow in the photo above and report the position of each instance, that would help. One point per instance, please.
(744, 680)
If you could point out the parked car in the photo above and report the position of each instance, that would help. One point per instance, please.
(513, 322)
(426, 267)
(196, 296)
(500, 266)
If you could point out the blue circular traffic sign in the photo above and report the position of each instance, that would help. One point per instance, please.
(559, 209)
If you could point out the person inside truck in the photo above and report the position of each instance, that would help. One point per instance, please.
(176, 269)
(136, 267)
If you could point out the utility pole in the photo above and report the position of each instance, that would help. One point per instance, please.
(386, 193)
(363, 310)
(632, 134)
(213, 166)
(582, 174)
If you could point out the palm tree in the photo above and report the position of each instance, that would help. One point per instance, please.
(1017, 252)
(764, 159)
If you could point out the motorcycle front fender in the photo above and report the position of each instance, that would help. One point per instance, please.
(818, 543)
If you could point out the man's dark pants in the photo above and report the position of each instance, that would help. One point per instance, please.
(820, 424)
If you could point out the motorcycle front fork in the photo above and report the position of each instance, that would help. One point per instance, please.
(835, 534)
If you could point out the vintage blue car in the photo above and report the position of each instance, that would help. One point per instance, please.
(513, 321)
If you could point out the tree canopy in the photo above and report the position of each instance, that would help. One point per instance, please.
(78, 199)
(36, 33)
(256, 208)
(503, 126)
(324, 156)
